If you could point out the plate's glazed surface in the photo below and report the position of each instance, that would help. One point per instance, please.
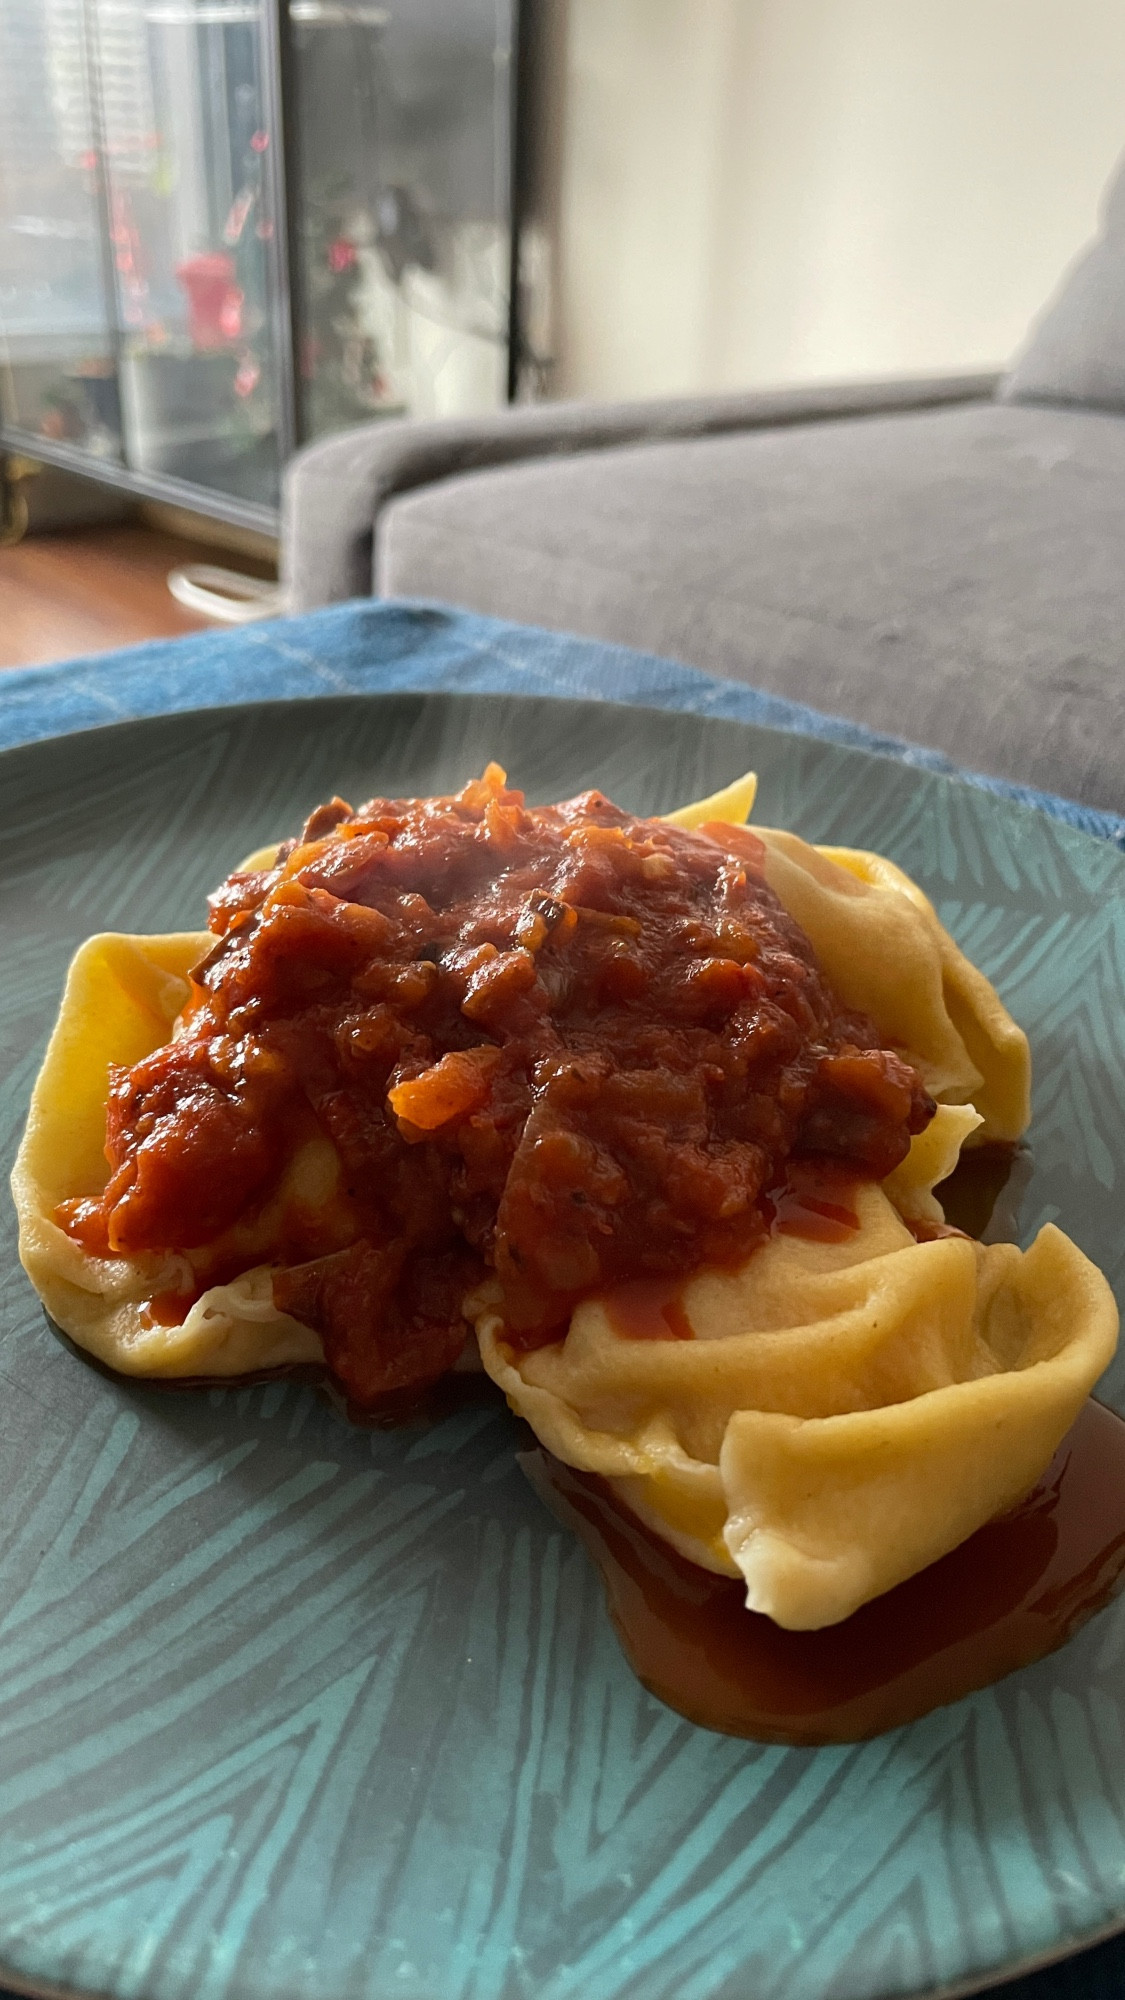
(290, 1711)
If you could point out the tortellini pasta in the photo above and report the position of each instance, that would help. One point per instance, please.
(846, 1412)
(843, 1413)
(122, 998)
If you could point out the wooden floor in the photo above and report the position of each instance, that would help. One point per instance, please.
(92, 589)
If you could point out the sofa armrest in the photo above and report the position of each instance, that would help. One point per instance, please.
(334, 490)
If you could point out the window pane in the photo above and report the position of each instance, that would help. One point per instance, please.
(193, 237)
(57, 376)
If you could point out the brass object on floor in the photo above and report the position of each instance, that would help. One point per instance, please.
(14, 471)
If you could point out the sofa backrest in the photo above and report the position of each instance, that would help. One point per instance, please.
(1075, 352)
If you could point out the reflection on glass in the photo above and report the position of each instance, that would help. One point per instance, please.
(57, 372)
(192, 232)
(403, 126)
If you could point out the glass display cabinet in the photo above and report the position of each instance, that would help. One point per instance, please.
(228, 226)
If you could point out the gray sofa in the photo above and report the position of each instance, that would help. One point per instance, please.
(941, 560)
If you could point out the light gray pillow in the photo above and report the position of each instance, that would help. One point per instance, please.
(1075, 352)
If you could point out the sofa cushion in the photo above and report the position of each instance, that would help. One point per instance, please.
(954, 577)
(334, 490)
(1075, 352)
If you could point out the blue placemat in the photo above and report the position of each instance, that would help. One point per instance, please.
(373, 647)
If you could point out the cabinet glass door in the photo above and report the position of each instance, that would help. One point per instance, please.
(403, 201)
(58, 379)
(145, 325)
(192, 226)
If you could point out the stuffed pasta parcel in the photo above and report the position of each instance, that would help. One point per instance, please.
(648, 1114)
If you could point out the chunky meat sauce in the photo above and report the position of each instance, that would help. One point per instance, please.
(558, 1046)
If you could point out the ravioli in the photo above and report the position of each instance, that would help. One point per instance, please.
(839, 1414)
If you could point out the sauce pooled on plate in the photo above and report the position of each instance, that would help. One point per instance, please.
(1015, 1591)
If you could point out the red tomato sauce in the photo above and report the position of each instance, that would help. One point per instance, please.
(559, 1046)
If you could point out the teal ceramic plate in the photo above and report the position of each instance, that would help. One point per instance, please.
(291, 1711)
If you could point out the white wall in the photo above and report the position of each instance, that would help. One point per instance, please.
(772, 191)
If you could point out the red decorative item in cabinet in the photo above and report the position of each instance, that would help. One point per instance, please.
(214, 300)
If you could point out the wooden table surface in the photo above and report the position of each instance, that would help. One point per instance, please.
(91, 589)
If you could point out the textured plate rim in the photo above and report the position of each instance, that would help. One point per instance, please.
(978, 785)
